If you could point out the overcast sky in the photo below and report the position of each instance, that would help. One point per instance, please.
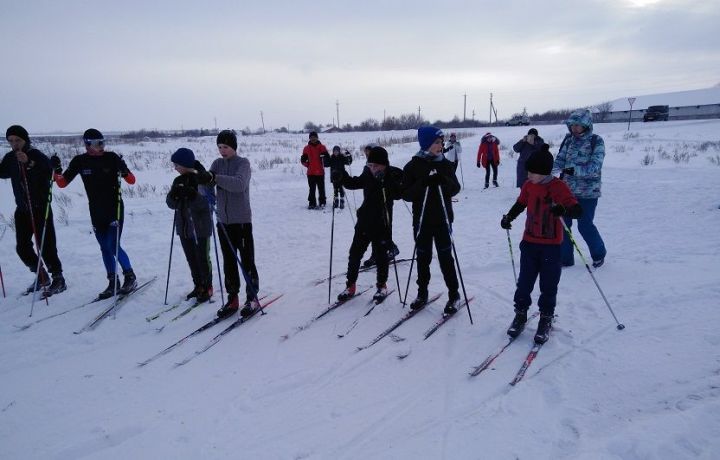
(122, 65)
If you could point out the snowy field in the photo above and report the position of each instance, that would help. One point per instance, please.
(651, 391)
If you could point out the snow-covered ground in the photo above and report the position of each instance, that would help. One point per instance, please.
(651, 391)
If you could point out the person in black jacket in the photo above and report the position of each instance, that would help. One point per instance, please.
(381, 184)
(424, 176)
(337, 162)
(30, 175)
(100, 171)
(525, 147)
(193, 222)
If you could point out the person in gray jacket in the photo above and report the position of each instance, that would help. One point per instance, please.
(526, 146)
(230, 175)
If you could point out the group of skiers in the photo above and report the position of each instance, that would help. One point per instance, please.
(428, 181)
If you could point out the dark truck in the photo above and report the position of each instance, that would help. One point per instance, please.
(657, 113)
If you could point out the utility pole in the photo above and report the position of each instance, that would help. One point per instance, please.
(491, 108)
(262, 120)
(337, 109)
(418, 113)
(473, 114)
(215, 118)
(464, 106)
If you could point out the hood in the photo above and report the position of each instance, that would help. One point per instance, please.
(581, 117)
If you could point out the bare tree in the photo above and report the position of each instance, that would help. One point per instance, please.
(603, 109)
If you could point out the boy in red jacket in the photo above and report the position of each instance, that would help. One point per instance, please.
(546, 199)
(313, 158)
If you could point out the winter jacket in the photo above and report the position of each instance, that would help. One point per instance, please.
(578, 153)
(37, 172)
(192, 216)
(371, 217)
(488, 149)
(525, 149)
(232, 181)
(452, 151)
(541, 226)
(312, 158)
(337, 162)
(415, 183)
(99, 173)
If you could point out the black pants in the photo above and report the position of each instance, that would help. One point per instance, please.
(443, 246)
(198, 258)
(241, 240)
(487, 172)
(319, 183)
(359, 245)
(338, 191)
(24, 240)
(541, 260)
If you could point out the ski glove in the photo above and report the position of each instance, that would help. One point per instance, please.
(180, 192)
(505, 222)
(557, 210)
(205, 177)
(56, 165)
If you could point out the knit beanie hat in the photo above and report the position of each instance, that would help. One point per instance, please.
(92, 134)
(184, 157)
(19, 131)
(336, 148)
(540, 162)
(378, 155)
(312, 134)
(228, 138)
(533, 131)
(427, 135)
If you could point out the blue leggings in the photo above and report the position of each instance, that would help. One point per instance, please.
(106, 238)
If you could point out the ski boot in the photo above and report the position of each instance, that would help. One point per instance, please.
(230, 308)
(370, 261)
(129, 282)
(486, 185)
(336, 203)
(42, 281)
(203, 294)
(452, 303)
(347, 293)
(495, 183)
(419, 302)
(113, 281)
(194, 293)
(342, 203)
(250, 307)
(543, 330)
(57, 286)
(598, 263)
(381, 292)
(518, 323)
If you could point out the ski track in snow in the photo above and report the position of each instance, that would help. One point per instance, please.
(650, 391)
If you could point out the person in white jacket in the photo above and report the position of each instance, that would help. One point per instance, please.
(452, 150)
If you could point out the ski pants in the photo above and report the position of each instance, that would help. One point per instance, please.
(236, 238)
(24, 239)
(588, 231)
(443, 245)
(107, 239)
(319, 183)
(380, 246)
(198, 258)
(538, 260)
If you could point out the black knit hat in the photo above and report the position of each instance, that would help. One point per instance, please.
(183, 157)
(540, 162)
(92, 134)
(19, 131)
(228, 138)
(532, 131)
(378, 155)
(312, 134)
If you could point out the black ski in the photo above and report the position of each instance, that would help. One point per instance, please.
(161, 312)
(398, 323)
(491, 358)
(332, 307)
(26, 326)
(225, 331)
(373, 303)
(114, 306)
(445, 319)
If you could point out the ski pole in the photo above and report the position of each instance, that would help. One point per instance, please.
(388, 225)
(117, 245)
(26, 187)
(512, 257)
(332, 237)
(416, 235)
(452, 243)
(172, 241)
(620, 326)
(462, 179)
(2, 282)
(42, 241)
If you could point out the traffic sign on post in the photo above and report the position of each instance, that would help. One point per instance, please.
(631, 100)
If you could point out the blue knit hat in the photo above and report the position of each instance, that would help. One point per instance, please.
(183, 157)
(427, 135)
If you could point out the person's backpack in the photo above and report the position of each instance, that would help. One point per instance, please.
(593, 141)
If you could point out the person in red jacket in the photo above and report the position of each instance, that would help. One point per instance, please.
(546, 198)
(488, 156)
(312, 159)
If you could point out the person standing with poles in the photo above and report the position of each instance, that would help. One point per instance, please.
(100, 171)
(381, 184)
(547, 198)
(337, 162)
(452, 151)
(424, 176)
(30, 174)
(193, 221)
(312, 158)
(230, 176)
(488, 157)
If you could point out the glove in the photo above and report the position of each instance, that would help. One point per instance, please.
(557, 210)
(505, 222)
(479, 165)
(205, 177)
(433, 180)
(56, 165)
(304, 159)
(569, 171)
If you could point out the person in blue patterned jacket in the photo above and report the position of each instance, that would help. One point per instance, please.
(579, 162)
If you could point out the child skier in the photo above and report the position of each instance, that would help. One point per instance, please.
(99, 170)
(488, 157)
(312, 158)
(230, 174)
(425, 175)
(336, 162)
(547, 198)
(193, 222)
(381, 184)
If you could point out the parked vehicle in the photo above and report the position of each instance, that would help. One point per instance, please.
(518, 120)
(657, 113)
